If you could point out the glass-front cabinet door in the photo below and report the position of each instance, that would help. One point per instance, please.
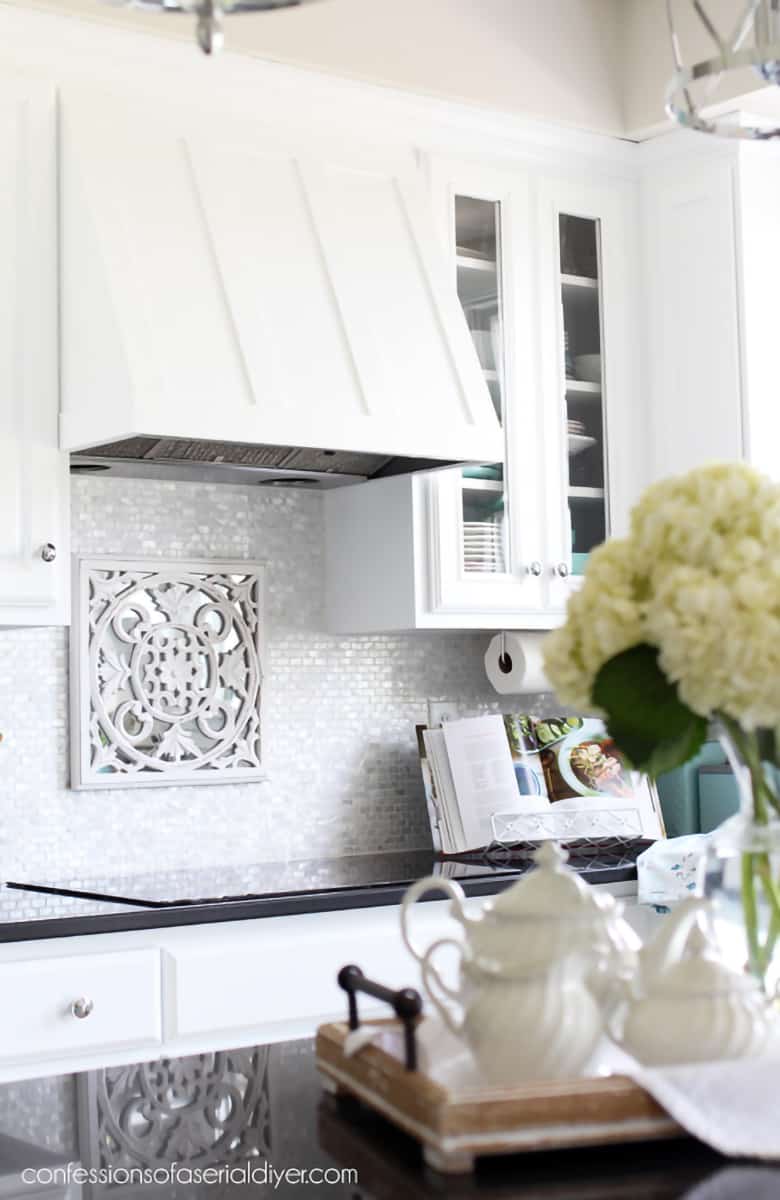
(579, 254)
(590, 373)
(486, 525)
(486, 547)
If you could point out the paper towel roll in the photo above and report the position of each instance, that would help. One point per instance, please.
(513, 663)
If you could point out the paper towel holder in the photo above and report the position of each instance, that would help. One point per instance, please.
(504, 660)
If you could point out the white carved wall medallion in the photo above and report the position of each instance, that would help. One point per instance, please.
(166, 672)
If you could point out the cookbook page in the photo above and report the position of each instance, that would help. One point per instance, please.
(453, 841)
(483, 775)
(585, 772)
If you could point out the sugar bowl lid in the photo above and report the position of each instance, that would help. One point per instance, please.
(701, 972)
(550, 890)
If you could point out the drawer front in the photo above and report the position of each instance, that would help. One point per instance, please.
(121, 995)
(286, 971)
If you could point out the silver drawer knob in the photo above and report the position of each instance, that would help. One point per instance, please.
(535, 568)
(561, 570)
(81, 1008)
(49, 552)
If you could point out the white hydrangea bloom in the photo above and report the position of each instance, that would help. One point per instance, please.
(603, 618)
(699, 577)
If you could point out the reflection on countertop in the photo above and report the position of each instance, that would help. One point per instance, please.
(240, 1119)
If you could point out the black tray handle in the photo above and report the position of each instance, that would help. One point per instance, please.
(406, 1004)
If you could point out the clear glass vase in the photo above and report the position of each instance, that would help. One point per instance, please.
(742, 874)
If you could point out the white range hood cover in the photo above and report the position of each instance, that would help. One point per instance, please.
(257, 291)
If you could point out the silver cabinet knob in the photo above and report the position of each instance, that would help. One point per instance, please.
(49, 552)
(535, 568)
(81, 1008)
(561, 569)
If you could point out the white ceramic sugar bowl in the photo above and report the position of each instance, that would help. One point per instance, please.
(549, 914)
(689, 1006)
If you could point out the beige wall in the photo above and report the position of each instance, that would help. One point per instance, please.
(553, 59)
(600, 65)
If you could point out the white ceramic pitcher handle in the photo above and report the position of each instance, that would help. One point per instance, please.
(433, 982)
(431, 883)
(615, 1025)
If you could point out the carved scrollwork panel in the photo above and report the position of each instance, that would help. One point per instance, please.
(167, 663)
(205, 1110)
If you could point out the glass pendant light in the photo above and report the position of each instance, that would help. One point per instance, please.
(209, 14)
(753, 41)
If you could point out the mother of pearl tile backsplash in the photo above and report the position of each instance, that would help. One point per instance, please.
(338, 736)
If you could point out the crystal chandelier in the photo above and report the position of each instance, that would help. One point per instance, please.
(753, 42)
(209, 14)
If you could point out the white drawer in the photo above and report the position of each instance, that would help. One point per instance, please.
(286, 970)
(36, 999)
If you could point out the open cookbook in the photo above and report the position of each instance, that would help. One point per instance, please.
(516, 778)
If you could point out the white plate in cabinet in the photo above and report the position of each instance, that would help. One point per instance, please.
(64, 1006)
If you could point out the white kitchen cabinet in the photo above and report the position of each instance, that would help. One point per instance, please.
(712, 258)
(191, 989)
(196, 988)
(34, 478)
(541, 261)
(283, 980)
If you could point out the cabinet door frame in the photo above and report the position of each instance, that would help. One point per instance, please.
(33, 586)
(612, 205)
(514, 593)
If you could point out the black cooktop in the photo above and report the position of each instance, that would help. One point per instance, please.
(42, 907)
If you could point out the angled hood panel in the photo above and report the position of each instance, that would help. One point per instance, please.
(258, 292)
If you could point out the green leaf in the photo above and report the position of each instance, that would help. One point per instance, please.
(649, 722)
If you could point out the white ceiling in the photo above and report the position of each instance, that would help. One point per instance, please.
(595, 64)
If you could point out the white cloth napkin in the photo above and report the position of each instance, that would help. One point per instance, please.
(732, 1106)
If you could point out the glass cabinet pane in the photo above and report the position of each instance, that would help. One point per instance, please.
(478, 257)
(581, 299)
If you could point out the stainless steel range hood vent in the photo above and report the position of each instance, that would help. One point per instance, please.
(238, 462)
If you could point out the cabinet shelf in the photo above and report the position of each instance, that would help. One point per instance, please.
(468, 261)
(586, 493)
(581, 299)
(481, 485)
(580, 389)
(477, 281)
(579, 282)
(579, 442)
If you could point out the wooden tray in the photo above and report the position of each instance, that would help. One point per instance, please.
(454, 1129)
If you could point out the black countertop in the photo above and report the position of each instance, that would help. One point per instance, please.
(261, 1109)
(43, 908)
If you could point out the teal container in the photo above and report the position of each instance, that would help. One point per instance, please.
(679, 791)
(718, 797)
